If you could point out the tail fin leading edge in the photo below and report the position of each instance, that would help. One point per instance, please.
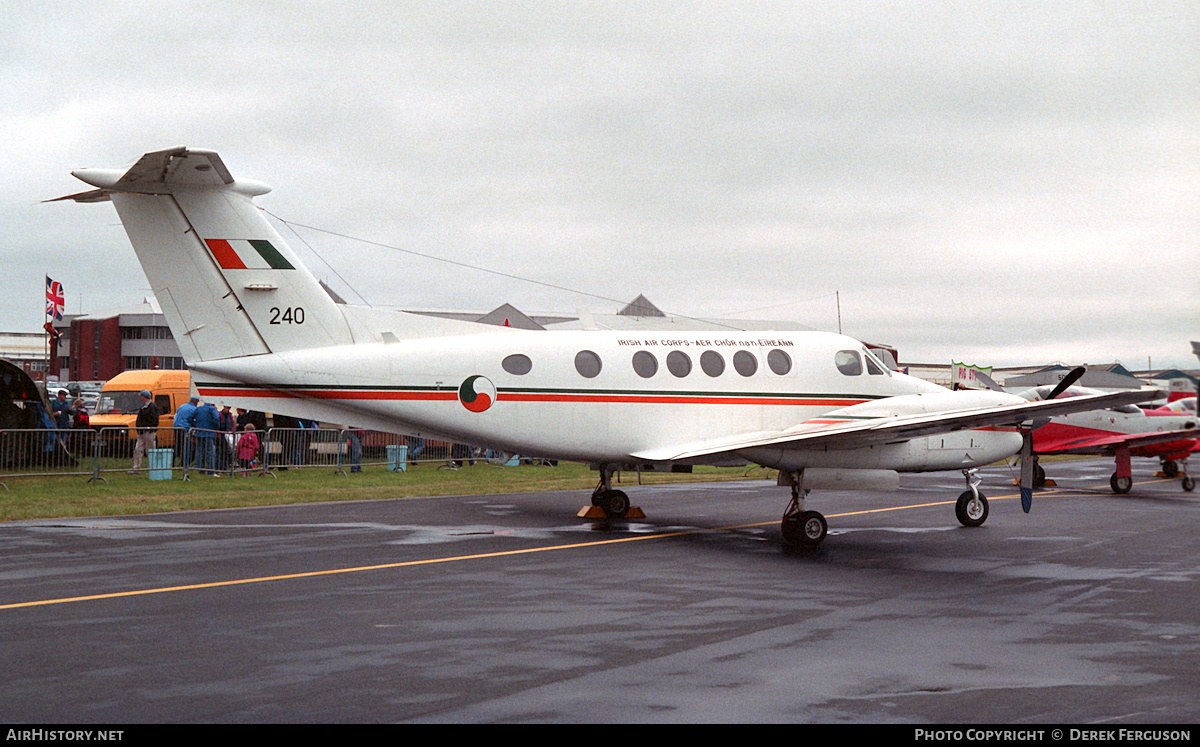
(226, 281)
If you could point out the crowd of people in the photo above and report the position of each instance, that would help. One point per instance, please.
(213, 437)
(214, 440)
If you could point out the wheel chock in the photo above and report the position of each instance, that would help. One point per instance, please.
(1049, 483)
(595, 512)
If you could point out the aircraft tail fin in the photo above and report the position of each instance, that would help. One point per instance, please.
(227, 283)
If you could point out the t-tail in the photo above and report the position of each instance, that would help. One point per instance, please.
(227, 283)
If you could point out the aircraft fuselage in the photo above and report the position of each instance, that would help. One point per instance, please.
(602, 396)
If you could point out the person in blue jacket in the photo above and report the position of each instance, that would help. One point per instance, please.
(205, 426)
(62, 414)
(185, 419)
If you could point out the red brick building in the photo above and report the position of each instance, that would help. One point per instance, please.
(97, 347)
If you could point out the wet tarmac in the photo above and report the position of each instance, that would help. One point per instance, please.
(508, 608)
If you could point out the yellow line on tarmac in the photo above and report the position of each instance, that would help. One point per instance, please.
(335, 571)
(433, 561)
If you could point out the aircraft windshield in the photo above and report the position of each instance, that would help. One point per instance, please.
(118, 403)
(1071, 391)
(1079, 391)
(875, 366)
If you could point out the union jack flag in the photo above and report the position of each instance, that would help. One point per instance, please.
(56, 300)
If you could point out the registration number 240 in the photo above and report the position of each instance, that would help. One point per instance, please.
(288, 315)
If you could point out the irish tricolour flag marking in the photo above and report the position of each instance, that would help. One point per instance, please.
(247, 254)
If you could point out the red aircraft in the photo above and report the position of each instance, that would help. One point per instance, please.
(1120, 432)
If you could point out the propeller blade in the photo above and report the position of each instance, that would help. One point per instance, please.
(1026, 469)
(1068, 380)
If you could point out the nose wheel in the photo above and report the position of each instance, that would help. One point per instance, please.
(971, 508)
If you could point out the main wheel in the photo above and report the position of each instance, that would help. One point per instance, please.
(1170, 468)
(1039, 476)
(1120, 485)
(971, 509)
(615, 503)
(1188, 483)
(806, 529)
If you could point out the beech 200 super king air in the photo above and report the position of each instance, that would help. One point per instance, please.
(257, 330)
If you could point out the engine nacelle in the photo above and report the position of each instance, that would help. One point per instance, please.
(944, 451)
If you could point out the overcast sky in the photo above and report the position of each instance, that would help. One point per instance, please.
(999, 183)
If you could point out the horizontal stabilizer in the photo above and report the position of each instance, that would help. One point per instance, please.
(165, 171)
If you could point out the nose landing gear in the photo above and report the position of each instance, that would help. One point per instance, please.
(971, 508)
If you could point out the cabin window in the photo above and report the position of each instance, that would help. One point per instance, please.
(645, 364)
(848, 362)
(712, 363)
(519, 364)
(163, 401)
(779, 362)
(587, 364)
(745, 363)
(678, 363)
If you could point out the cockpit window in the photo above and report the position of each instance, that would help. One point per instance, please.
(873, 366)
(1071, 391)
(849, 362)
(587, 364)
(517, 364)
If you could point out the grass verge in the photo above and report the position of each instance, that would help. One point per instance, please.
(37, 497)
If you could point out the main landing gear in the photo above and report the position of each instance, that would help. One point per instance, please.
(614, 503)
(800, 528)
(1121, 481)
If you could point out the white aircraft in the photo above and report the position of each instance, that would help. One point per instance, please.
(257, 330)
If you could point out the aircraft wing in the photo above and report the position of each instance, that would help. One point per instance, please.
(1107, 444)
(831, 433)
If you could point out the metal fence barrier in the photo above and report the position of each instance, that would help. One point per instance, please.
(164, 453)
(41, 451)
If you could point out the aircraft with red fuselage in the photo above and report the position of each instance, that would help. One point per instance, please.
(1120, 432)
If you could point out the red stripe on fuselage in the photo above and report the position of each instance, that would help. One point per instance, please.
(684, 399)
(680, 399)
(326, 394)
